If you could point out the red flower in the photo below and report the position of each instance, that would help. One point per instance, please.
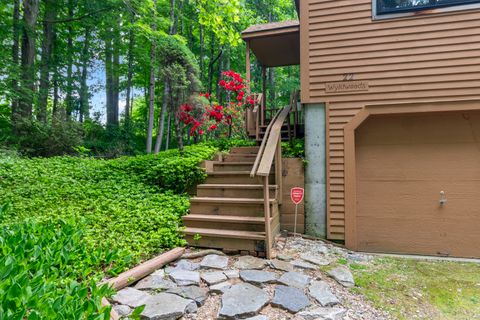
(212, 127)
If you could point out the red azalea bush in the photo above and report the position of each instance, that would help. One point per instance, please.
(214, 117)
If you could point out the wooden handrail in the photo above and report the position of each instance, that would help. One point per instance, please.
(270, 148)
(253, 173)
(272, 140)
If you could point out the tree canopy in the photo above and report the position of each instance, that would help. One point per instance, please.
(110, 76)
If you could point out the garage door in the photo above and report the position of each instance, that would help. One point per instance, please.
(404, 162)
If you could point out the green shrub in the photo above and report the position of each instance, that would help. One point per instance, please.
(296, 149)
(48, 272)
(168, 170)
(227, 144)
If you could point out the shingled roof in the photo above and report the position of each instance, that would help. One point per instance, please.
(271, 26)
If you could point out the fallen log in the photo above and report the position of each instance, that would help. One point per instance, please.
(144, 269)
(113, 314)
(139, 272)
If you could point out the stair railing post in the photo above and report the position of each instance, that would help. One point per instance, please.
(257, 124)
(278, 170)
(268, 231)
(264, 97)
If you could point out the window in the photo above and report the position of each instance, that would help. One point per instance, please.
(394, 8)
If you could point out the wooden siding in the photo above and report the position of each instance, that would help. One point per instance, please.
(293, 172)
(427, 58)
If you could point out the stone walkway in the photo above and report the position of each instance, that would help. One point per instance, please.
(292, 286)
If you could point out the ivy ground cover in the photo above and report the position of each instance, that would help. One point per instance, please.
(67, 222)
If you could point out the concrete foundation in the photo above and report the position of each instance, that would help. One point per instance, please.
(315, 171)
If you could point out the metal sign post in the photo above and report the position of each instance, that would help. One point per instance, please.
(296, 194)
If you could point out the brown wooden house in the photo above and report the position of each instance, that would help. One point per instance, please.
(391, 95)
(401, 89)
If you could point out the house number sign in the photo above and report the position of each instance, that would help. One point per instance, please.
(346, 86)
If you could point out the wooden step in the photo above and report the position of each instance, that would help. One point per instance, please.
(235, 177)
(229, 200)
(239, 223)
(226, 233)
(250, 207)
(232, 166)
(245, 150)
(225, 239)
(264, 127)
(234, 190)
(284, 139)
(239, 157)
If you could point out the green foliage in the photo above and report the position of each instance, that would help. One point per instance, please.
(37, 139)
(227, 144)
(48, 272)
(66, 223)
(119, 201)
(168, 170)
(221, 16)
(296, 149)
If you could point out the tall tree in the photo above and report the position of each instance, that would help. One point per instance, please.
(109, 76)
(84, 96)
(70, 58)
(131, 46)
(116, 73)
(166, 86)
(151, 86)
(27, 90)
(46, 58)
(15, 57)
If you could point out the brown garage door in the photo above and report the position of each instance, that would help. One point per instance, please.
(403, 163)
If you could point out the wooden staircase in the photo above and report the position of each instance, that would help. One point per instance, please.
(228, 211)
(237, 209)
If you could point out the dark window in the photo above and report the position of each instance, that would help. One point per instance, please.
(398, 6)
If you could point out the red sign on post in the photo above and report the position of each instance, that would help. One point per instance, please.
(297, 195)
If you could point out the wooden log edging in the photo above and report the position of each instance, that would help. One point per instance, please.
(139, 272)
(113, 314)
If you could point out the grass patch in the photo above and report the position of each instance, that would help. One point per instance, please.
(411, 289)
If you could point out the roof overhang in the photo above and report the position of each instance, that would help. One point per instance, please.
(275, 44)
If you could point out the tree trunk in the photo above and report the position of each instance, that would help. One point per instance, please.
(211, 65)
(84, 105)
(27, 89)
(166, 91)
(116, 73)
(47, 45)
(169, 122)
(202, 52)
(173, 22)
(131, 44)
(161, 121)
(178, 131)
(69, 98)
(56, 98)
(151, 90)
(109, 76)
(15, 59)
